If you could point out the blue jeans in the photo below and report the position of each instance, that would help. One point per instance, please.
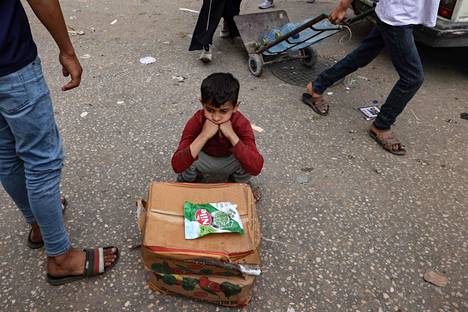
(399, 41)
(31, 156)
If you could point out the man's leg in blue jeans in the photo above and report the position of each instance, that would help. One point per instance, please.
(27, 119)
(360, 57)
(406, 60)
(27, 110)
(12, 172)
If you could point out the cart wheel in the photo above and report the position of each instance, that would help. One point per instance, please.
(256, 64)
(310, 56)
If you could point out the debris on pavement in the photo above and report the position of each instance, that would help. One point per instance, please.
(73, 32)
(329, 93)
(307, 169)
(464, 116)
(189, 10)
(416, 117)
(147, 60)
(113, 22)
(85, 56)
(436, 278)
(369, 112)
(302, 179)
(257, 128)
(83, 114)
(179, 78)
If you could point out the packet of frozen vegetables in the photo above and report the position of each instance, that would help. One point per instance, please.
(204, 219)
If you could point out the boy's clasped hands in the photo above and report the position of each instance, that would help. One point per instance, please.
(210, 129)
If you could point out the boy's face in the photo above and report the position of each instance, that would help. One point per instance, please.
(219, 115)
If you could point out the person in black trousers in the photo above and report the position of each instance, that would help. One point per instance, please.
(210, 15)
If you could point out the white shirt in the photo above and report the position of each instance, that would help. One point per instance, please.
(408, 12)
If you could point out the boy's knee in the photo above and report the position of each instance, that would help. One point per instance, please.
(240, 176)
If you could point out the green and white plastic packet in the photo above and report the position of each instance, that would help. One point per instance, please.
(204, 219)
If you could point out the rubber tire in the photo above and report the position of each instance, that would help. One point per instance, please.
(310, 57)
(256, 64)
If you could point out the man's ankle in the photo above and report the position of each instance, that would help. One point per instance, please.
(60, 259)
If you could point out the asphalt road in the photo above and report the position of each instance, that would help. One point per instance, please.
(356, 235)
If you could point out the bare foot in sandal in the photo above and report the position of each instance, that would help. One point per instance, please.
(388, 140)
(77, 264)
(257, 193)
(315, 101)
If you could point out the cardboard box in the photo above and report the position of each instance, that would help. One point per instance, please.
(230, 291)
(165, 249)
(210, 268)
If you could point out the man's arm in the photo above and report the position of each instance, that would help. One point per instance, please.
(50, 15)
(339, 12)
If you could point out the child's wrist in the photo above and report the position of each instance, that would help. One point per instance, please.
(234, 140)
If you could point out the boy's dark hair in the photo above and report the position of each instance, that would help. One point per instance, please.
(219, 88)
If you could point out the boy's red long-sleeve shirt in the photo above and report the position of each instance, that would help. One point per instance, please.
(219, 146)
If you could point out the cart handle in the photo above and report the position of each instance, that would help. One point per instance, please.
(292, 33)
(350, 21)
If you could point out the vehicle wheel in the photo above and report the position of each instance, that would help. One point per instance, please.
(309, 56)
(256, 64)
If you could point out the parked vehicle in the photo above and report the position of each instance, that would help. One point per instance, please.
(451, 29)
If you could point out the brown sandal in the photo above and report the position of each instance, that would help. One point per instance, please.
(318, 104)
(388, 141)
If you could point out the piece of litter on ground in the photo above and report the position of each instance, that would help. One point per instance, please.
(113, 22)
(369, 112)
(307, 169)
(85, 56)
(76, 32)
(464, 116)
(375, 102)
(273, 241)
(189, 10)
(120, 102)
(147, 60)
(416, 117)
(83, 114)
(363, 78)
(73, 32)
(436, 278)
(179, 78)
(302, 179)
(166, 42)
(257, 128)
(329, 93)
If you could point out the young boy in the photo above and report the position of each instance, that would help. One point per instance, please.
(218, 144)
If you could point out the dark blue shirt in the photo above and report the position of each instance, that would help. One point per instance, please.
(17, 47)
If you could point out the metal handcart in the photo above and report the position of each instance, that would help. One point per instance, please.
(264, 47)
